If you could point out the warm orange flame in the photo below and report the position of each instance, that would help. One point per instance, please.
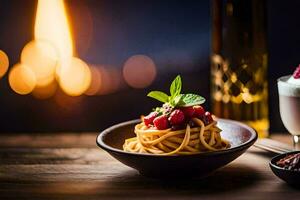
(52, 25)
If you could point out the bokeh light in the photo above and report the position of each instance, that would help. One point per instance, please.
(47, 62)
(22, 79)
(105, 80)
(76, 79)
(139, 71)
(111, 80)
(46, 91)
(95, 81)
(42, 58)
(4, 63)
(52, 25)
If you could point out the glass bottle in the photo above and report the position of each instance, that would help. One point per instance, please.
(239, 87)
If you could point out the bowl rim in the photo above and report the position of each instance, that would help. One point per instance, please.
(103, 145)
(274, 166)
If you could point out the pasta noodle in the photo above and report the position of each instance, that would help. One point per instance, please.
(180, 142)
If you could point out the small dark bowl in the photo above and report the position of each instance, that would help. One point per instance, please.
(290, 176)
(241, 137)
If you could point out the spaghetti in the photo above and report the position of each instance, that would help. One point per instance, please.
(158, 134)
(187, 141)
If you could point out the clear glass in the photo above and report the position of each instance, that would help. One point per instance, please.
(289, 106)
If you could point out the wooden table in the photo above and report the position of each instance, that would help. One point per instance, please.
(71, 166)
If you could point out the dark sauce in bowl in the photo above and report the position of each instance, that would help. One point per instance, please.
(286, 167)
(290, 162)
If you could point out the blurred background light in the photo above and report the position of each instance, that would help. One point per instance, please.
(45, 91)
(76, 79)
(96, 80)
(4, 63)
(111, 80)
(139, 71)
(51, 24)
(42, 58)
(21, 79)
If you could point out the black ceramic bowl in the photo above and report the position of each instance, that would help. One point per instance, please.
(290, 176)
(241, 137)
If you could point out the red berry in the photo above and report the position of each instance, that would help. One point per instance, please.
(188, 111)
(176, 117)
(149, 118)
(296, 73)
(161, 122)
(199, 111)
(208, 118)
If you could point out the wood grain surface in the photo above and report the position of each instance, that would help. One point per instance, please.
(71, 166)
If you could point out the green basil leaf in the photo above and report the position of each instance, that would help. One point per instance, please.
(177, 99)
(175, 88)
(158, 95)
(190, 100)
